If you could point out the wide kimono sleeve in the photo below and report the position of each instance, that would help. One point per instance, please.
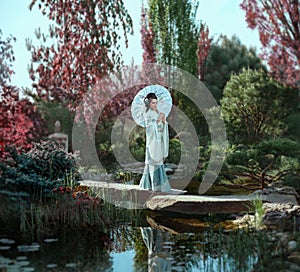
(165, 140)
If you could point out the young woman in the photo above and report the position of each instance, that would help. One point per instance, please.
(157, 147)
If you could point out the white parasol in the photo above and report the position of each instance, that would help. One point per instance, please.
(138, 107)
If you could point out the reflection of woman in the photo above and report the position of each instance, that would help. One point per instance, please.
(159, 257)
(157, 147)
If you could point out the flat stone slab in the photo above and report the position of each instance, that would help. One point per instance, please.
(125, 195)
(194, 204)
(126, 187)
(134, 197)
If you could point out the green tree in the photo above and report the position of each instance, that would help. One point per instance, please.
(176, 32)
(227, 57)
(179, 40)
(255, 106)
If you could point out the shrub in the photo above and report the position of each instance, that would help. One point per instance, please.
(36, 173)
(275, 159)
(255, 107)
(49, 160)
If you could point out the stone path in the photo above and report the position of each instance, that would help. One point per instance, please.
(134, 197)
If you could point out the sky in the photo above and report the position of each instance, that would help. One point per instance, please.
(221, 16)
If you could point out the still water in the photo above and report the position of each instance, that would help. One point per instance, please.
(146, 245)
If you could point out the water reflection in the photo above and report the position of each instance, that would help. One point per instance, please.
(159, 256)
(205, 250)
(169, 250)
(152, 244)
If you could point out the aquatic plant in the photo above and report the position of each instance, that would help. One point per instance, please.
(259, 210)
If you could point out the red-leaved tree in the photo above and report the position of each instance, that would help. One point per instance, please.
(86, 47)
(203, 50)
(16, 127)
(278, 24)
(147, 39)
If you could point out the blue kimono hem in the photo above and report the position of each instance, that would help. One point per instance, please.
(155, 179)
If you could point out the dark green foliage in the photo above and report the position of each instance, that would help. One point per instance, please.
(226, 58)
(293, 180)
(205, 151)
(174, 151)
(192, 111)
(106, 155)
(47, 159)
(32, 185)
(137, 143)
(293, 122)
(36, 173)
(240, 156)
(51, 112)
(271, 160)
(264, 152)
(279, 147)
(255, 107)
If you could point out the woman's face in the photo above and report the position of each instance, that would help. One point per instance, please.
(153, 104)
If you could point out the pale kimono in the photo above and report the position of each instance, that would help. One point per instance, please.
(157, 147)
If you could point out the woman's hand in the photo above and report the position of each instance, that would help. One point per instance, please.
(161, 117)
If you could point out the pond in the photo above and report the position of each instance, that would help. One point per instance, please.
(145, 243)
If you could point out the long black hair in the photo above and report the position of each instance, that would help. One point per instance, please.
(148, 99)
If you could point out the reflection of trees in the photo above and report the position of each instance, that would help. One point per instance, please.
(121, 237)
(186, 252)
(208, 249)
(90, 249)
(141, 252)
